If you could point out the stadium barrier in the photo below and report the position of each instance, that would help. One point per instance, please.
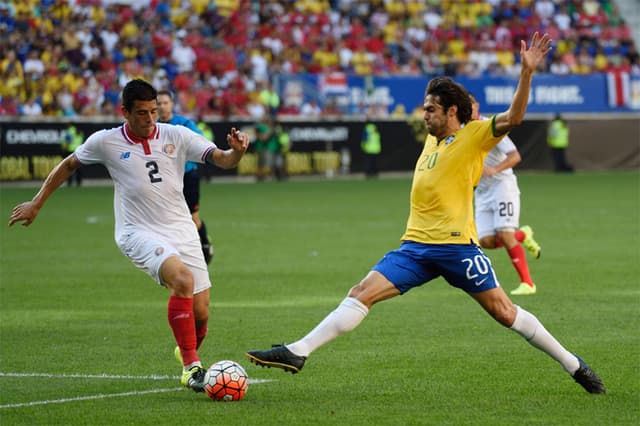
(30, 149)
(613, 92)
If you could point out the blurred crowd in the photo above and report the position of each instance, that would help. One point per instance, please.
(72, 57)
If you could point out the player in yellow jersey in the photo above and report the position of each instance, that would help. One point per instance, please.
(440, 239)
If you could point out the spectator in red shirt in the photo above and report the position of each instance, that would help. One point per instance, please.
(162, 43)
(184, 81)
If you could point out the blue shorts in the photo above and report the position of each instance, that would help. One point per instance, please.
(463, 265)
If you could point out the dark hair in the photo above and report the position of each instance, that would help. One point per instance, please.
(166, 93)
(450, 93)
(137, 90)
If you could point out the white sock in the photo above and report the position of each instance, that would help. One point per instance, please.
(344, 318)
(528, 326)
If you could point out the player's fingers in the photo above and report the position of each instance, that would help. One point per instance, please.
(18, 218)
(22, 213)
(233, 141)
(243, 137)
(233, 134)
(545, 44)
(534, 39)
(15, 215)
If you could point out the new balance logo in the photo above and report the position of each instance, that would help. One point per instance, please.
(125, 155)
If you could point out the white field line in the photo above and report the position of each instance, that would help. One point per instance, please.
(88, 376)
(88, 397)
(98, 396)
(108, 376)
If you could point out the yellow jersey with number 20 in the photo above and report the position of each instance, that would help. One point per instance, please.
(445, 176)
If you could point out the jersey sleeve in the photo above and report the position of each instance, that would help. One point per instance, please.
(484, 133)
(91, 151)
(197, 146)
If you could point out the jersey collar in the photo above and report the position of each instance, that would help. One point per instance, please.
(133, 139)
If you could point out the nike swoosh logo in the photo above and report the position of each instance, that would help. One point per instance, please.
(479, 283)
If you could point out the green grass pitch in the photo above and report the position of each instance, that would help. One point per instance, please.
(84, 338)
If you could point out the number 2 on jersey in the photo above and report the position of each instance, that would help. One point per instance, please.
(153, 172)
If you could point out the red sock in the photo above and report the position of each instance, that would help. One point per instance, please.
(520, 236)
(519, 260)
(201, 332)
(180, 314)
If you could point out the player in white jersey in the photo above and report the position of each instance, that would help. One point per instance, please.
(497, 208)
(153, 226)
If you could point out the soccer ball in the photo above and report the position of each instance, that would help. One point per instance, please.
(226, 381)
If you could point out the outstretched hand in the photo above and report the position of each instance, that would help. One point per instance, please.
(25, 213)
(538, 49)
(238, 141)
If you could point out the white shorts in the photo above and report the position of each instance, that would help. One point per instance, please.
(497, 207)
(148, 252)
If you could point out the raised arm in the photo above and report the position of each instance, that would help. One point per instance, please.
(26, 212)
(530, 58)
(227, 159)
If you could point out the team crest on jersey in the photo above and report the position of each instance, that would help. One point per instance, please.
(168, 148)
(449, 139)
(159, 251)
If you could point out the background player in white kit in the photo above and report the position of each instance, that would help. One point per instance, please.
(497, 208)
(153, 226)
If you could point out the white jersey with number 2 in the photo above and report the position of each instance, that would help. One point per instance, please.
(148, 177)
